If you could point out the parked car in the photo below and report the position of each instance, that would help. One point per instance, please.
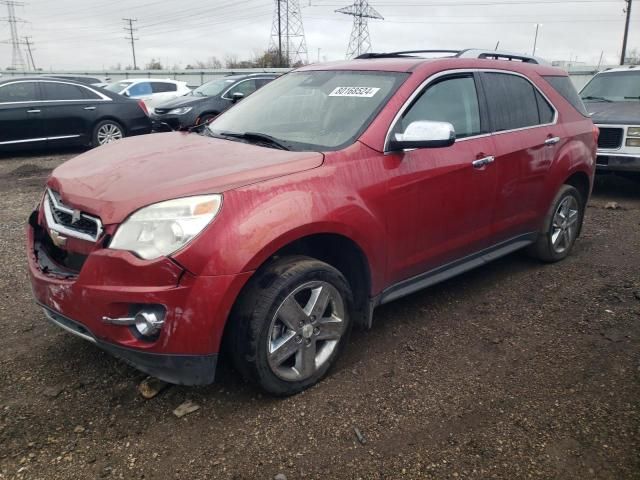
(612, 98)
(37, 112)
(86, 79)
(332, 190)
(207, 101)
(151, 92)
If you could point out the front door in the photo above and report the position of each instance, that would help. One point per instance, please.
(441, 199)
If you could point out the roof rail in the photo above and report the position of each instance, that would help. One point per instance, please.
(468, 53)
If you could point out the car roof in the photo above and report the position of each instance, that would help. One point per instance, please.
(42, 78)
(625, 68)
(135, 80)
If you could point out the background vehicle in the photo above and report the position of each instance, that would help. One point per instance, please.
(207, 101)
(36, 112)
(328, 192)
(613, 100)
(151, 92)
(85, 79)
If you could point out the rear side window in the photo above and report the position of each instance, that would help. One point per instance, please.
(63, 91)
(19, 92)
(564, 87)
(453, 100)
(545, 111)
(512, 101)
(161, 87)
(138, 89)
(261, 82)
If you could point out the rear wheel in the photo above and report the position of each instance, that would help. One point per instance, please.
(291, 324)
(561, 226)
(107, 131)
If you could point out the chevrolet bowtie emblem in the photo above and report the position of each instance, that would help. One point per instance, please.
(75, 216)
(57, 239)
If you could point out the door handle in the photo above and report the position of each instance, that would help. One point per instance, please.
(89, 108)
(483, 162)
(552, 140)
(33, 111)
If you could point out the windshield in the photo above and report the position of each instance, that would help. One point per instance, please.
(212, 88)
(117, 87)
(615, 87)
(312, 110)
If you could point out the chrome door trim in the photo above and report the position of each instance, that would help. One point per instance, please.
(43, 139)
(454, 71)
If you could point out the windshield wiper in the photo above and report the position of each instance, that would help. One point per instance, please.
(259, 138)
(593, 97)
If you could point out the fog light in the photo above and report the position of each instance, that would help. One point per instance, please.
(147, 323)
(633, 142)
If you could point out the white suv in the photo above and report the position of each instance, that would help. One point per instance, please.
(612, 98)
(152, 92)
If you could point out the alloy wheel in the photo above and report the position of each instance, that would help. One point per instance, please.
(565, 224)
(305, 330)
(109, 132)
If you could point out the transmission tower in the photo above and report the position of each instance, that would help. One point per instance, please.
(17, 59)
(287, 34)
(129, 28)
(360, 41)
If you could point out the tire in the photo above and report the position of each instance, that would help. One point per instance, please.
(207, 117)
(559, 235)
(107, 131)
(273, 342)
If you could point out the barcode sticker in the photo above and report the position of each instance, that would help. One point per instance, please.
(364, 92)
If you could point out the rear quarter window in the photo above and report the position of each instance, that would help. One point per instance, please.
(564, 87)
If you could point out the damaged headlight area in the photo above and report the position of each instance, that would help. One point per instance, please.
(163, 228)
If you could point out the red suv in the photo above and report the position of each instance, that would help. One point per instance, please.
(330, 191)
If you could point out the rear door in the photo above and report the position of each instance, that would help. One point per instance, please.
(526, 138)
(440, 200)
(69, 112)
(20, 115)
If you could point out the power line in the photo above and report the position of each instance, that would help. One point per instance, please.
(360, 41)
(131, 38)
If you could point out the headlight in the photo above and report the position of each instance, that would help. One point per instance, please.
(633, 142)
(633, 132)
(180, 111)
(162, 228)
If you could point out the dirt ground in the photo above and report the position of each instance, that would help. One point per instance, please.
(515, 370)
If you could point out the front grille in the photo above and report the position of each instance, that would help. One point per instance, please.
(69, 221)
(610, 137)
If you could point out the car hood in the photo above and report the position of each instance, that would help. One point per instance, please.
(623, 113)
(183, 101)
(116, 179)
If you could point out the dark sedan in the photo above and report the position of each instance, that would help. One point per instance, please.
(207, 101)
(39, 112)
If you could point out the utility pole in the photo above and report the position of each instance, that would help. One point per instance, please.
(287, 33)
(626, 33)
(360, 41)
(17, 60)
(535, 41)
(131, 38)
(28, 43)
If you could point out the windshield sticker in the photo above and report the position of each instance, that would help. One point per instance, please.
(364, 92)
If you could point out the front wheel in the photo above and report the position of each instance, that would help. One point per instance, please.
(291, 324)
(561, 226)
(107, 131)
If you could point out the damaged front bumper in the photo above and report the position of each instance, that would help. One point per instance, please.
(81, 292)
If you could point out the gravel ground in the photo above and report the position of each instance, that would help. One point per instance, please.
(515, 370)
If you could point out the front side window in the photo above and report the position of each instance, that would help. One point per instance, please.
(19, 92)
(62, 91)
(245, 87)
(212, 88)
(313, 110)
(512, 101)
(139, 89)
(453, 100)
(613, 87)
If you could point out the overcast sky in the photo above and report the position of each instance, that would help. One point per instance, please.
(88, 34)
